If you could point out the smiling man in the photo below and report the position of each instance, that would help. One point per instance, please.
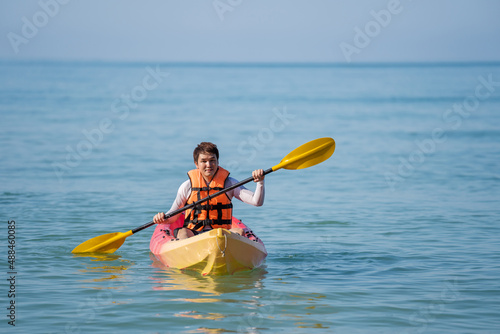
(207, 179)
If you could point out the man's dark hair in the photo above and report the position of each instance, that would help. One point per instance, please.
(205, 148)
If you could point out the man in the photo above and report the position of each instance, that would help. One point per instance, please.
(208, 178)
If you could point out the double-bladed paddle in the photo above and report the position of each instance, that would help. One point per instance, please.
(304, 156)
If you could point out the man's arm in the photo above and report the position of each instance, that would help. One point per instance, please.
(247, 196)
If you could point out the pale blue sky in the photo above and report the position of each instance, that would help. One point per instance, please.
(251, 30)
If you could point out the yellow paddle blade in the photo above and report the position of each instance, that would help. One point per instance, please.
(309, 154)
(106, 243)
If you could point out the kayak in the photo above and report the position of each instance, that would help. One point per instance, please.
(215, 252)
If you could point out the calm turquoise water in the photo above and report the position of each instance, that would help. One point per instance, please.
(397, 233)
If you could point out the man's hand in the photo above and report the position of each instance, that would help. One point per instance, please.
(258, 175)
(159, 218)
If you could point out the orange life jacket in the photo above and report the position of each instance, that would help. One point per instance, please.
(218, 211)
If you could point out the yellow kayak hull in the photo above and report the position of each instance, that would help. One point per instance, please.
(215, 252)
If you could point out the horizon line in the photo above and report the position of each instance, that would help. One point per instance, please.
(257, 63)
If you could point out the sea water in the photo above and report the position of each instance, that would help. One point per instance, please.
(398, 232)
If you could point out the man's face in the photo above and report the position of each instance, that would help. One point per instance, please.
(207, 165)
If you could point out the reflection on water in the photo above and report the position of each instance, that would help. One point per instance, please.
(209, 290)
(174, 279)
(197, 315)
(97, 256)
(205, 330)
(305, 325)
(109, 267)
(262, 302)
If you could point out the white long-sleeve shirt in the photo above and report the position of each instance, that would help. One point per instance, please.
(243, 194)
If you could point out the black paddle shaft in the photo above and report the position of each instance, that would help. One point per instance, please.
(209, 197)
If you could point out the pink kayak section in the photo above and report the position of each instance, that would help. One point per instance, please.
(164, 233)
